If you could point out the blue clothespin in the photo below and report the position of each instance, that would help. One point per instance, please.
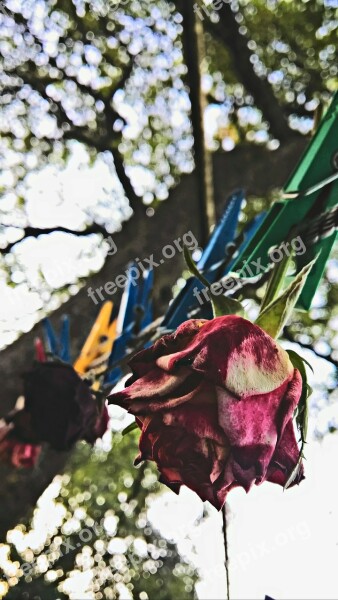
(223, 233)
(249, 231)
(58, 345)
(144, 300)
(210, 262)
(136, 309)
(134, 315)
(136, 303)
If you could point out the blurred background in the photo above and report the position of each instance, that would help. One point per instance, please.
(136, 119)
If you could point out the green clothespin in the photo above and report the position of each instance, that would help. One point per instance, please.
(308, 208)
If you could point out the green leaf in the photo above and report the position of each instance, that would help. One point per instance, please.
(277, 313)
(302, 410)
(296, 360)
(193, 269)
(221, 305)
(276, 281)
(130, 428)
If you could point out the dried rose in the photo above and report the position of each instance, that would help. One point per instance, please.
(215, 403)
(60, 408)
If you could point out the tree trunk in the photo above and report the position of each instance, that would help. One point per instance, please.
(194, 52)
(253, 168)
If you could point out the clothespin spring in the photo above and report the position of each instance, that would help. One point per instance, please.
(314, 188)
(321, 227)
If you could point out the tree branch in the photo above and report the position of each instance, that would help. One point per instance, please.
(226, 30)
(101, 143)
(35, 232)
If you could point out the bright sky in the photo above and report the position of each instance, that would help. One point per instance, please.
(281, 544)
(71, 198)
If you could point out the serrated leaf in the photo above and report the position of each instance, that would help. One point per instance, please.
(276, 314)
(302, 410)
(130, 428)
(221, 305)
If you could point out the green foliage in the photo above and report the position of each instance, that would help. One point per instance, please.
(293, 45)
(103, 533)
(113, 79)
(297, 39)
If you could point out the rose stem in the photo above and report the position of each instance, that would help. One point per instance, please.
(226, 563)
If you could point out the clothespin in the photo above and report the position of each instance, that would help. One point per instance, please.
(308, 208)
(135, 308)
(134, 315)
(211, 262)
(40, 353)
(99, 342)
(58, 345)
(248, 232)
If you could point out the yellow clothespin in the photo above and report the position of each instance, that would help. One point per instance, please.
(99, 342)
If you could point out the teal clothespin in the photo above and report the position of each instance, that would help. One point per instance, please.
(309, 199)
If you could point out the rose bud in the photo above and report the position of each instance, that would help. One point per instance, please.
(59, 408)
(215, 402)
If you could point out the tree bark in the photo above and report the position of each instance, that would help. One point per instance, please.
(193, 46)
(253, 168)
